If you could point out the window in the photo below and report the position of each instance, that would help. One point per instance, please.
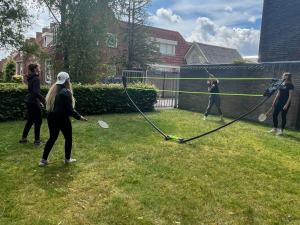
(48, 77)
(167, 49)
(112, 40)
(45, 41)
(54, 36)
(21, 68)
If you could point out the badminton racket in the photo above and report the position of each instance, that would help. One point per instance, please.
(262, 117)
(101, 123)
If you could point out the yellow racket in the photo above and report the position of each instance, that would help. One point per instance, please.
(262, 117)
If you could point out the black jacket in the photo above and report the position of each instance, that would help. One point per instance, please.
(63, 103)
(34, 89)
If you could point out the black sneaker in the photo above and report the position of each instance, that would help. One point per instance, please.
(24, 142)
(39, 142)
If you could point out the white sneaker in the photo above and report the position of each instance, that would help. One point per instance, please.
(204, 118)
(279, 133)
(221, 117)
(272, 131)
(43, 162)
(68, 161)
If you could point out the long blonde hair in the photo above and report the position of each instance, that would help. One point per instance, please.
(289, 79)
(50, 98)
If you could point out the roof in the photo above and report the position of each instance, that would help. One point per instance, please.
(180, 50)
(219, 55)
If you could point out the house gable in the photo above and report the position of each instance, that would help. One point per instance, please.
(195, 56)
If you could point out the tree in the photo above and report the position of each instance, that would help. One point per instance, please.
(81, 33)
(137, 36)
(241, 61)
(10, 69)
(15, 20)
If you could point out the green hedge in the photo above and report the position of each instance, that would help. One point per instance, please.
(8, 84)
(90, 100)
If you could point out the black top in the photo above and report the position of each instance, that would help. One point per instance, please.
(215, 89)
(34, 89)
(63, 103)
(284, 92)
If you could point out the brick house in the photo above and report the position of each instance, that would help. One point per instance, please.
(172, 46)
(45, 40)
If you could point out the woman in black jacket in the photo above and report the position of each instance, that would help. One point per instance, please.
(33, 101)
(60, 104)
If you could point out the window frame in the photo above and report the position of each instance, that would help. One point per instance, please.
(109, 35)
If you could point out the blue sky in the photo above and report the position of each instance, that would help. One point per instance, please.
(228, 23)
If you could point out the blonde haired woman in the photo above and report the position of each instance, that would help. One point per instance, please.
(60, 104)
(282, 102)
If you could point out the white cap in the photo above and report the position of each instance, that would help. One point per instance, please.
(62, 77)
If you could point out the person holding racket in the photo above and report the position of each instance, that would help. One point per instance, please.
(213, 87)
(60, 104)
(282, 102)
(34, 103)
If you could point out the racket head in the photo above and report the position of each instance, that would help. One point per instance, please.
(103, 124)
(262, 117)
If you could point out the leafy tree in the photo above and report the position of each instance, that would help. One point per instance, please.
(137, 36)
(81, 34)
(10, 69)
(15, 20)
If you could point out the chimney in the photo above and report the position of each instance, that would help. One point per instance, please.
(38, 34)
(45, 29)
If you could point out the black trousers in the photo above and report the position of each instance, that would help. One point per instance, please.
(56, 123)
(214, 99)
(34, 117)
(279, 108)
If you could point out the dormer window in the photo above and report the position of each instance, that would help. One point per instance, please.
(167, 47)
(47, 38)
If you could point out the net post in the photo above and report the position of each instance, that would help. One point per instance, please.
(177, 89)
(181, 141)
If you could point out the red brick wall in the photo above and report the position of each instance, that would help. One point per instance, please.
(235, 106)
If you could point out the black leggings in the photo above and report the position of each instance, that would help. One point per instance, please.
(279, 108)
(59, 122)
(34, 117)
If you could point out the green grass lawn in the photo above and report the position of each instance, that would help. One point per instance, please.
(128, 174)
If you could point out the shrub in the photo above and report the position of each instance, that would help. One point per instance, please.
(241, 61)
(90, 100)
(17, 79)
(10, 69)
(8, 84)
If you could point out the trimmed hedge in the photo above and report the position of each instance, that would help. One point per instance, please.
(90, 100)
(8, 84)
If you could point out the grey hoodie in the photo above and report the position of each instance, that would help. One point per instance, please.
(34, 89)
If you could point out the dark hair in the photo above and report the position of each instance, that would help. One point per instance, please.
(32, 67)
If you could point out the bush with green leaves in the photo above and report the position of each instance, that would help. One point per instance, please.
(10, 70)
(241, 61)
(17, 79)
(90, 100)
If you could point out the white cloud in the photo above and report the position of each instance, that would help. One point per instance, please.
(245, 40)
(228, 8)
(252, 19)
(167, 15)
